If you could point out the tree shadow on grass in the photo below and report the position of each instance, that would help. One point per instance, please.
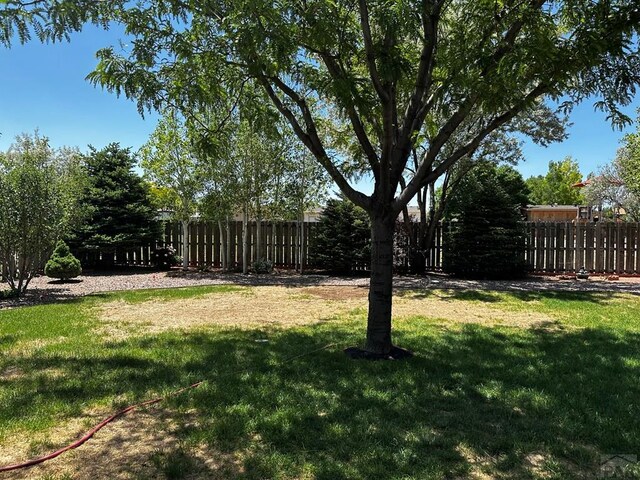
(497, 297)
(507, 403)
(569, 296)
(469, 400)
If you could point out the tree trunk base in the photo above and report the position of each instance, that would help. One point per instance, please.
(396, 353)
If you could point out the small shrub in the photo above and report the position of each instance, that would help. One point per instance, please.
(165, 258)
(7, 294)
(62, 264)
(262, 266)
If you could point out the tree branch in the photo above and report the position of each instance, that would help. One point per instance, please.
(310, 137)
(422, 177)
(370, 54)
(414, 124)
(337, 72)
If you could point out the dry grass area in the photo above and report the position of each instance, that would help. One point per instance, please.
(283, 307)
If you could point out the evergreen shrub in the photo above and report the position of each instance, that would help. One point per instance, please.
(62, 264)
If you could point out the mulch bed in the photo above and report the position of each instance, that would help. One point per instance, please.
(45, 290)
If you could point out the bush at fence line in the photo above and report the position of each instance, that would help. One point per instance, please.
(342, 240)
(486, 237)
(164, 258)
(62, 264)
(262, 266)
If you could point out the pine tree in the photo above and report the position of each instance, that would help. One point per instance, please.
(342, 238)
(120, 214)
(486, 234)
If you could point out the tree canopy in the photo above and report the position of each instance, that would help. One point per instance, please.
(557, 186)
(362, 83)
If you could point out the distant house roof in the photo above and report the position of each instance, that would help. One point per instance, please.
(581, 184)
(552, 207)
(588, 181)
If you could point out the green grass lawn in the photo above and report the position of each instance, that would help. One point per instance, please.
(475, 401)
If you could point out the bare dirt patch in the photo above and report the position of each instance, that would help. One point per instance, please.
(11, 373)
(283, 307)
(137, 445)
(336, 293)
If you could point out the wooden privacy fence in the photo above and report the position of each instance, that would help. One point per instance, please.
(282, 242)
(551, 247)
(557, 247)
(602, 247)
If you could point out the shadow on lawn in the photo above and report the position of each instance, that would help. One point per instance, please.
(507, 403)
(500, 296)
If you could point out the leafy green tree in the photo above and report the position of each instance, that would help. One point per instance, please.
(62, 264)
(342, 238)
(305, 187)
(363, 83)
(119, 211)
(162, 198)
(215, 140)
(50, 20)
(259, 154)
(69, 164)
(616, 186)
(486, 234)
(169, 161)
(628, 161)
(31, 210)
(556, 187)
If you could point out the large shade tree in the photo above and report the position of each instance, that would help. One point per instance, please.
(396, 73)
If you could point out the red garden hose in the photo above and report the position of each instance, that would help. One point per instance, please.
(92, 432)
(110, 419)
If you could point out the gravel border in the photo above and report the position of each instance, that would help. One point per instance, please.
(44, 290)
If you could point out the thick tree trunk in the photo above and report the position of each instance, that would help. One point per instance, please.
(380, 290)
(185, 244)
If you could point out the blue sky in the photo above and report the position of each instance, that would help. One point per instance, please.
(44, 87)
